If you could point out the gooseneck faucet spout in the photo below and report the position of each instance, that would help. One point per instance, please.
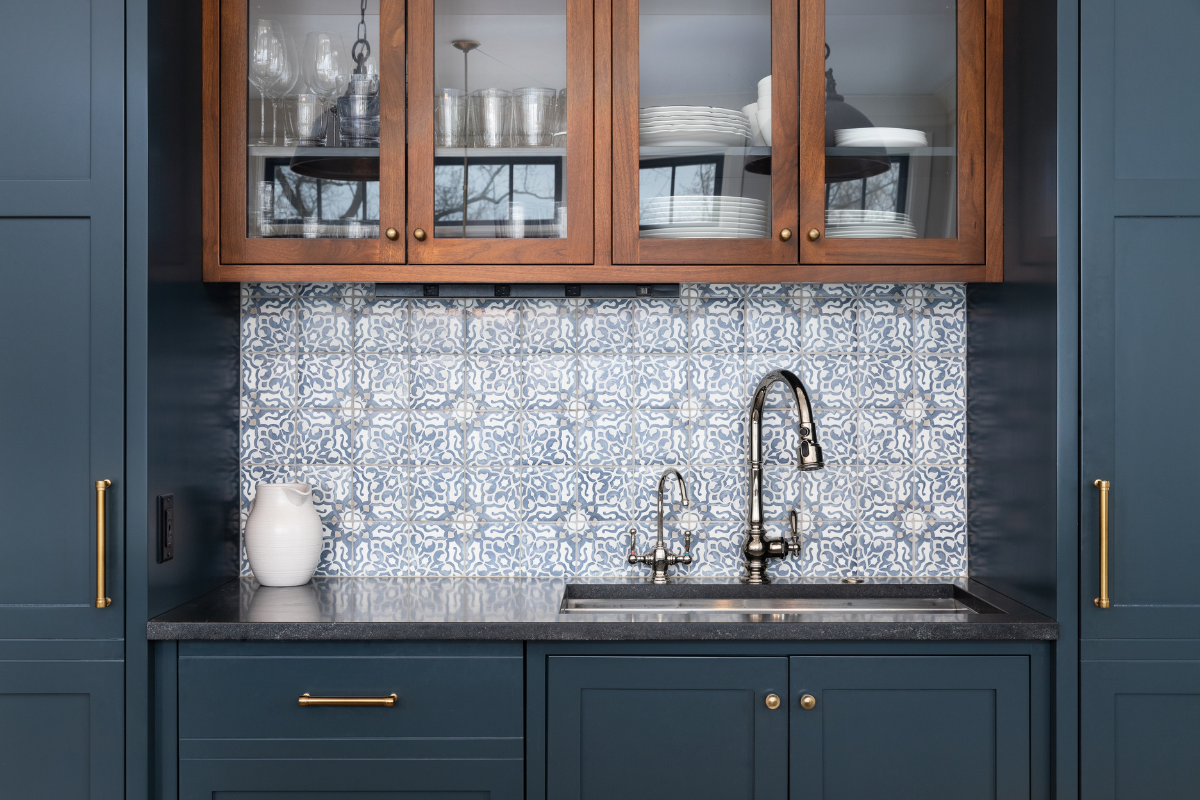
(660, 558)
(757, 548)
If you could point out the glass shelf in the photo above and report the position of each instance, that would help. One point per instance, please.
(499, 152)
(890, 151)
(282, 151)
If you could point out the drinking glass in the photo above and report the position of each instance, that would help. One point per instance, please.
(325, 66)
(533, 116)
(449, 117)
(358, 112)
(559, 138)
(514, 226)
(308, 120)
(285, 83)
(490, 118)
(267, 64)
(312, 228)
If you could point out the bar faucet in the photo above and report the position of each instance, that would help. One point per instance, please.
(659, 557)
(757, 548)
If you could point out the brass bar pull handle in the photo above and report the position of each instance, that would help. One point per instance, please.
(102, 601)
(308, 700)
(1102, 601)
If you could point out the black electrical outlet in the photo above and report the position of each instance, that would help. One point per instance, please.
(431, 290)
(574, 290)
(501, 290)
(166, 527)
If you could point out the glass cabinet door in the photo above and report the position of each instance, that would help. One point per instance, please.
(500, 137)
(893, 132)
(312, 131)
(705, 125)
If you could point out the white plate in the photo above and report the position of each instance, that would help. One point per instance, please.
(698, 235)
(722, 225)
(695, 140)
(687, 110)
(658, 130)
(830, 235)
(880, 137)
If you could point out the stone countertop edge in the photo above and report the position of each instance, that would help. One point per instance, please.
(526, 609)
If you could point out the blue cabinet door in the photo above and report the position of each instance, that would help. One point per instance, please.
(1140, 204)
(61, 723)
(62, 325)
(910, 727)
(1140, 729)
(665, 728)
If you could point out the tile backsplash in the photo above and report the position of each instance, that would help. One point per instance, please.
(525, 437)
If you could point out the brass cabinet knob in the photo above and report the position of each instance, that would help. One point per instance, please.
(419, 234)
(785, 234)
(813, 234)
(772, 701)
(808, 702)
(392, 234)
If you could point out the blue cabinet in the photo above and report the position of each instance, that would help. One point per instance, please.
(910, 727)
(651, 728)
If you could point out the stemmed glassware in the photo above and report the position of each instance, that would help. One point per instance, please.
(286, 81)
(326, 66)
(268, 54)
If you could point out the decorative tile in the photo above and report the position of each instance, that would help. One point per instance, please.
(495, 381)
(885, 437)
(269, 380)
(493, 550)
(436, 493)
(941, 381)
(381, 437)
(941, 437)
(268, 436)
(547, 551)
(718, 326)
(325, 325)
(773, 325)
(606, 439)
(833, 550)
(604, 492)
(436, 551)
(661, 438)
(883, 549)
(549, 381)
(437, 326)
(606, 381)
(381, 492)
(495, 493)
(324, 436)
(719, 492)
(782, 492)
(660, 381)
(718, 438)
(833, 380)
(437, 381)
(780, 437)
(942, 552)
(324, 380)
(494, 438)
(603, 551)
(884, 493)
(717, 380)
(381, 326)
(436, 438)
(838, 435)
(829, 324)
(941, 327)
(548, 326)
(885, 381)
(547, 438)
(550, 492)
(660, 326)
(384, 551)
(831, 494)
(381, 380)
(494, 326)
(606, 326)
(269, 325)
(885, 326)
(941, 492)
(717, 551)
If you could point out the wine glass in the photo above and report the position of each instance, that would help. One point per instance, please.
(267, 56)
(325, 66)
(287, 80)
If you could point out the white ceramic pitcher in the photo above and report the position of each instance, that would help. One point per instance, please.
(283, 534)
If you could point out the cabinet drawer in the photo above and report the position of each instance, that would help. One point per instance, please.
(252, 690)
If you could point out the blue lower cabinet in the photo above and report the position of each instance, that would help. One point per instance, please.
(910, 727)
(1139, 729)
(62, 730)
(658, 728)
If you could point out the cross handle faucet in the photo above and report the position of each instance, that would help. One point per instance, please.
(659, 557)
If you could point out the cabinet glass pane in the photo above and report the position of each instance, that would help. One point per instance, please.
(704, 118)
(500, 122)
(313, 119)
(891, 119)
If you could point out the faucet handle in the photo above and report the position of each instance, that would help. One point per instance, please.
(634, 558)
(793, 520)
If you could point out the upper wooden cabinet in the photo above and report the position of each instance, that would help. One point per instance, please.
(603, 140)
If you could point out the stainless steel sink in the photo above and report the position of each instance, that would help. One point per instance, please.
(824, 601)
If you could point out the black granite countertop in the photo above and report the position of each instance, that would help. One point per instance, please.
(517, 609)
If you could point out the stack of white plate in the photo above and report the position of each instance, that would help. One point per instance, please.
(879, 137)
(855, 224)
(693, 126)
(704, 217)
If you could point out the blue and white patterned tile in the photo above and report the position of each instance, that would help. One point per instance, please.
(603, 551)
(269, 380)
(660, 326)
(720, 492)
(436, 438)
(884, 437)
(251, 475)
(718, 438)
(494, 326)
(884, 550)
(839, 436)
(269, 324)
(325, 325)
(885, 493)
(494, 439)
(547, 551)
(437, 381)
(436, 551)
(494, 382)
(950, 290)
(325, 380)
(942, 552)
(269, 289)
(384, 551)
(941, 492)
(660, 381)
(322, 289)
(832, 290)
(759, 365)
(324, 436)
(769, 289)
(606, 439)
(549, 381)
(832, 380)
(606, 381)
(644, 488)
(548, 326)
(830, 324)
(381, 380)
(894, 291)
(381, 492)
(496, 494)
(268, 436)
(773, 325)
(780, 437)
(885, 381)
(494, 550)
(941, 380)
(718, 326)
(437, 326)
(548, 438)
(332, 489)
(381, 326)
(885, 326)
(832, 494)
(941, 327)
(436, 494)
(605, 492)
(833, 550)
(717, 550)
(337, 558)
(661, 437)
(550, 493)
(941, 438)
(718, 381)
(606, 326)
(381, 437)
(722, 289)
(782, 491)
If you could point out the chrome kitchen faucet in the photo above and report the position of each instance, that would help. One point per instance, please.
(758, 548)
(660, 558)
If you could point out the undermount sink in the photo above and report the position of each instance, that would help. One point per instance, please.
(842, 601)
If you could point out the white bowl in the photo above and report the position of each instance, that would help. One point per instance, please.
(764, 87)
(764, 125)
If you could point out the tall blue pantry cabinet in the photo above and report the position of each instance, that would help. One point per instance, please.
(1140, 268)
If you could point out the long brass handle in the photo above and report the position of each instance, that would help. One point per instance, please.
(102, 601)
(1102, 601)
(308, 700)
